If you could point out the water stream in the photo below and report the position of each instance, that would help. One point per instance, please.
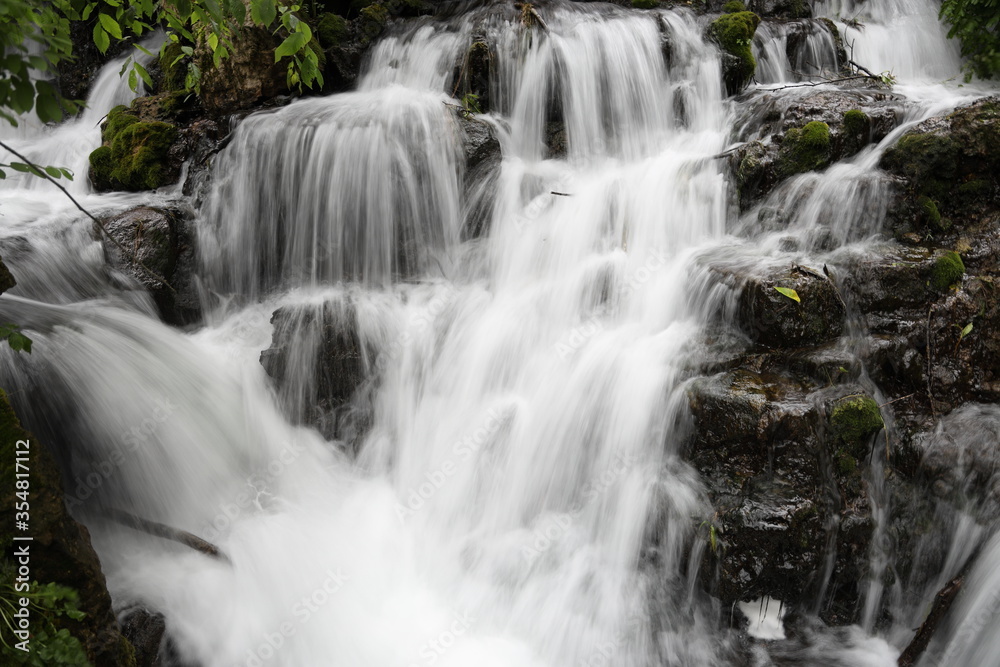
(520, 434)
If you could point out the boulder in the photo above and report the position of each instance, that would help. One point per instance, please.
(948, 172)
(774, 319)
(145, 630)
(247, 77)
(158, 240)
(317, 362)
(784, 491)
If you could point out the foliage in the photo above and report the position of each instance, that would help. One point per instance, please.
(17, 340)
(976, 24)
(207, 25)
(790, 293)
(470, 102)
(47, 603)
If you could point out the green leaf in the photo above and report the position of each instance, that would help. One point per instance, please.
(47, 103)
(790, 293)
(291, 45)
(101, 39)
(263, 12)
(54, 172)
(19, 342)
(143, 49)
(67, 174)
(3, 174)
(21, 167)
(148, 80)
(110, 25)
(967, 330)
(133, 81)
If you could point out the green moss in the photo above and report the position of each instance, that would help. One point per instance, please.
(804, 149)
(331, 30)
(948, 270)
(174, 70)
(134, 155)
(118, 119)
(645, 4)
(853, 420)
(374, 19)
(857, 122)
(930, 162)
(734, 33)
(846, 464)
(734, 6)
(931, 215)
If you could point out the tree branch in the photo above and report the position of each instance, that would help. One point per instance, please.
(38, 171)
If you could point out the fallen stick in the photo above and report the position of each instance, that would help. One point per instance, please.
(166, 532)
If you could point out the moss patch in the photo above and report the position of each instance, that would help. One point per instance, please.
(734, 33)
(931, 215)
(733, 7)
(331, 30)
(804, 149)
(645, 4)
(948, 270)
(174, 67)
(853, 420)
(373, 20)
(134, 156)
(928, 160)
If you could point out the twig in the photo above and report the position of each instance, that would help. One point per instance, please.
(41, 172)
(164, 531)
(865, 70)
(897, 399)
(825, 81)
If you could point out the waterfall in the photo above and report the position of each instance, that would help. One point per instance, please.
(508, 485)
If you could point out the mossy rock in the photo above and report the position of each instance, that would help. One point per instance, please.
(734, 7)
(373, 20)
(174, 67)
(134, 156)
(331, 30)
(734, 34)
(645, 4)
(805, 149)
(929, 161)
(948, 269)
(853, 420)
(931, 215)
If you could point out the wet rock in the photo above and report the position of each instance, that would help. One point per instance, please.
(961, 456)
(61, 552)
(948, 171)
(6, 278)
(774, 128)
(482, 164)
(145, 630)
(784, 495)
(158, 240)
(479, 142)
(794, 9)
(317, 361)
(774, 319)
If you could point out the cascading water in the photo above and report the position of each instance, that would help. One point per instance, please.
(518, 495)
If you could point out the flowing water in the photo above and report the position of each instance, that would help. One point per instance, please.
(511, 491)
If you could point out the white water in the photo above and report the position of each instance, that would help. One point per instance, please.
(522, 452)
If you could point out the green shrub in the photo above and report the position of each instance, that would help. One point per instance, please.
(975, 24)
